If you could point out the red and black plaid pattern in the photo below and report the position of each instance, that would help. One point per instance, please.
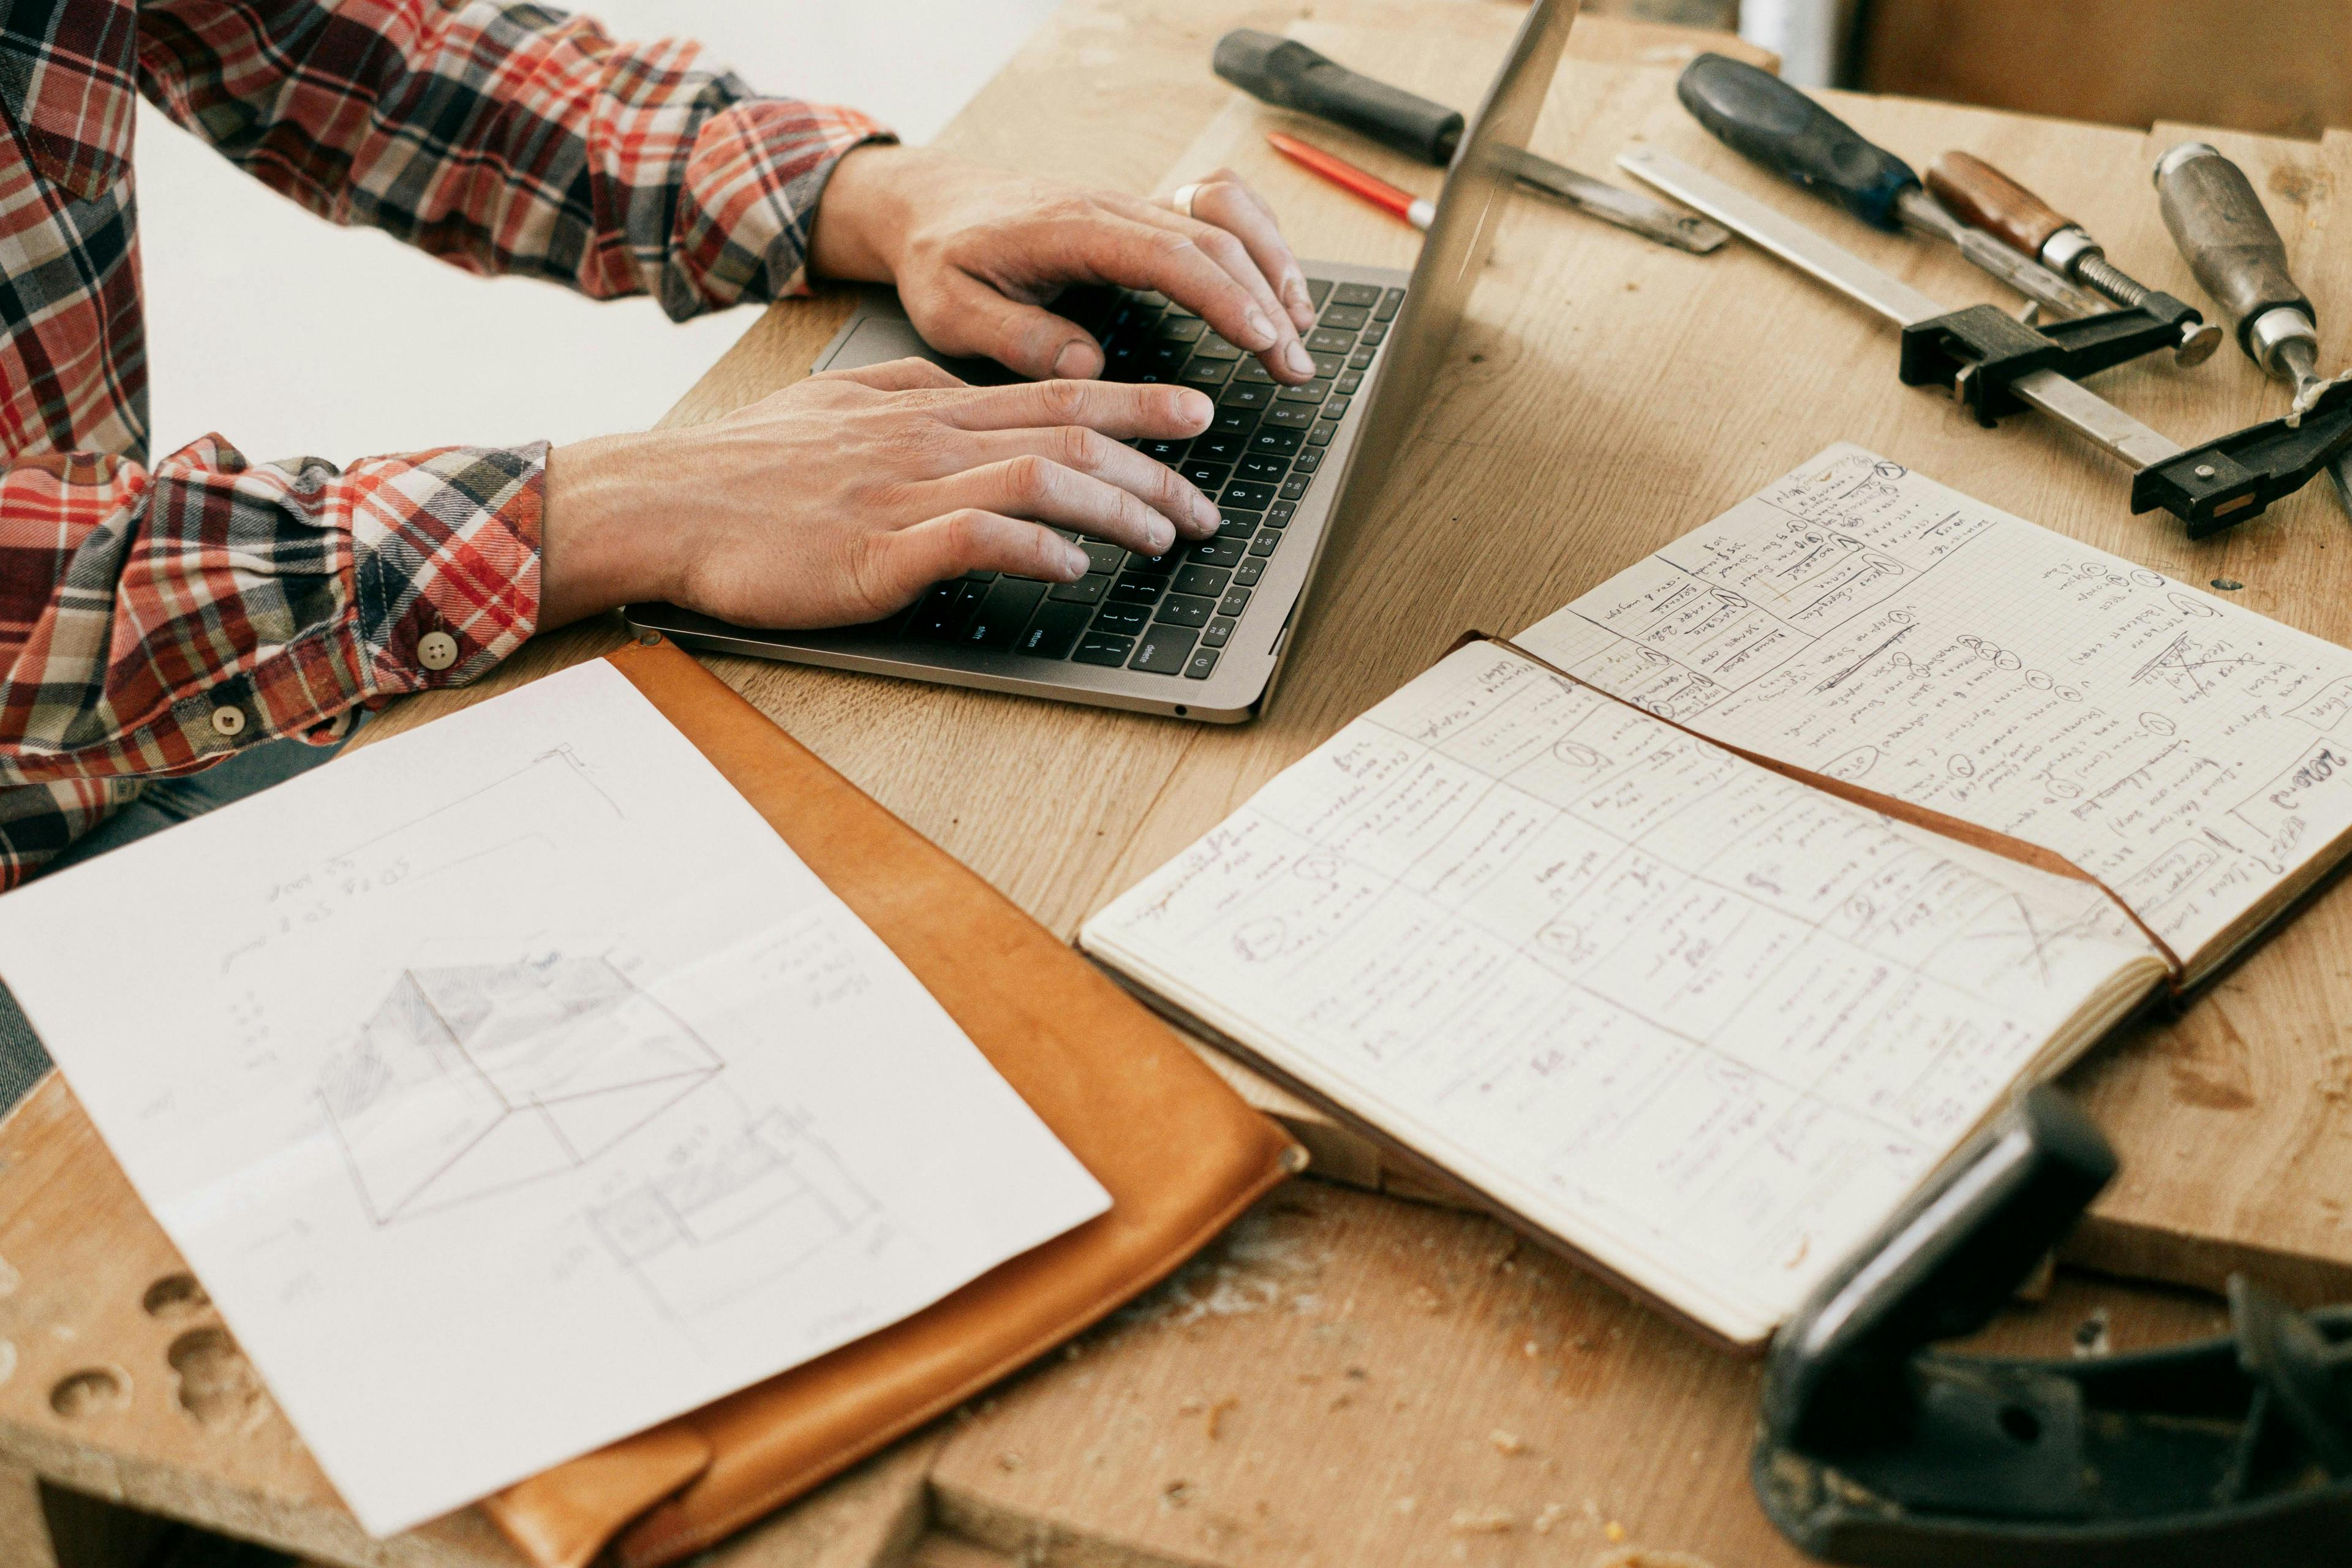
(154, 620)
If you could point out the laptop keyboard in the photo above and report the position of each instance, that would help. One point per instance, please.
(1173, 615)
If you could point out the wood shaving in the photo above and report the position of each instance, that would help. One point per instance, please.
(1506, 1442)
(1553, 1512)
(1483, 1522)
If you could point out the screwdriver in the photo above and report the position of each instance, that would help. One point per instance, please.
(2227, 238)
(1981, 196)
(1762, 118)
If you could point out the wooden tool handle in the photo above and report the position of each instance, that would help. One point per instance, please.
(1984, 197)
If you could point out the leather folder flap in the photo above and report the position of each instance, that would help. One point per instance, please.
(1179, 1152)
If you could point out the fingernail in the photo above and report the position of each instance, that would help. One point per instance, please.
(1073, 560)
(1261, 330)
(1075, 362)
(1204, 511)
(1300, 360)
(1302, 309)
(1159, 536)
(1195, 406)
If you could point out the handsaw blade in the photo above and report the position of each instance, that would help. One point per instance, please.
(1645, 215)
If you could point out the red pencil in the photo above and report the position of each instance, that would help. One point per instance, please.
(1348, 177)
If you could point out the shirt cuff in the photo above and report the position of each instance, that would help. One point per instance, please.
(757, 170)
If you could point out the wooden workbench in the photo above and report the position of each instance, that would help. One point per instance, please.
(1345, 1378)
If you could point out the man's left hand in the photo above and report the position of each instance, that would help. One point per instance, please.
(977, 255)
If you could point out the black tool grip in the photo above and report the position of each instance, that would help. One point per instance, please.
(1762, 118)
(2226, 236)
(1287, 73)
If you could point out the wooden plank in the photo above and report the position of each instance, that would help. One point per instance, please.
(1346, 1380)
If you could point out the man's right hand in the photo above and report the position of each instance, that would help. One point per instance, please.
(840, 498)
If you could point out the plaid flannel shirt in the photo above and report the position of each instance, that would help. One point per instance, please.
(154, 620)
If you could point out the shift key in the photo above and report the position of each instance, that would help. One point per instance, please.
(1010, 602)
(1164, 650)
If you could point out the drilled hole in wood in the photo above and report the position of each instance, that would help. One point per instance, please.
(216, 1383)
(92, 1391)
(175, 1296)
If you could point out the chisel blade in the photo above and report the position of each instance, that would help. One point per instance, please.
(1646, 217)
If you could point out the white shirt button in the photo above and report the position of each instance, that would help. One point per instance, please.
(437, 650)
(228, 720)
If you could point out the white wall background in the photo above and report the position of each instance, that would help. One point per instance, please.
(291, 336)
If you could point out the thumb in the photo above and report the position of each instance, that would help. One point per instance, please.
(968, 317)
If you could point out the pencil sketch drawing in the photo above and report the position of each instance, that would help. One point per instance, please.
(469, 1081)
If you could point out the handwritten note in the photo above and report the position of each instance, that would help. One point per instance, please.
(1705, 1024)
(1858, 620)
(513, 1088)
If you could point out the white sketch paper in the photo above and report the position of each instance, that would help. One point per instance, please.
(513, 1088)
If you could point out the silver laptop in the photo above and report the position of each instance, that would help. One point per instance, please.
(1199, 633)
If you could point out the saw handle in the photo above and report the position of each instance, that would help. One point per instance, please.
(1984, 197)
(2225, 236)
(1289, 75)
(1762, 118)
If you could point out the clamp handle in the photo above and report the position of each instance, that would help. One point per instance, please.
(1984, 197)
(1763, 119)
(2227, 238)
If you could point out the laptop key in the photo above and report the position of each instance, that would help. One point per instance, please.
(1186, 610)
(1275, 439)
(1200, 666)
(1122, 617)
(1357, 294)
(1329, 365)
(1217, 633)
(1213, 347)
(1337, 408)
(1004, 613)
(1247, 574)
(943, 612)
(1245, 497)
(1236, 524)
(1346, 318)
(1151, 565)
(1349, 381)
(1088, 590)
(1054, 632)
(1266, 469)
(1265, 543)
(1206, 478)
(1374, 334)
(1233, 421)
(1307, 462)
(1209, 581)
(1318, 290)
(1321, 434)
(1315, 391)
(1362, 359)
(1169, 452)
(1241, 395)
(1326, 340)
(1254, 372)
(1296, 490)
(1103, 649)
(1279, 516)
(1235, 602)
(1388, 303)
(1215, 552)
(1182, 329)
(1162, 650)
(1198, 372)
(1296, 415)
(1102, 555)
(1221, 447)
(1137, 590)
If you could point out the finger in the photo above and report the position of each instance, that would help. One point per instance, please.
(1046, 491)
(908, 561)
(968, 317)
(1155, 484)
(1286, 357)
(1150, 411)
(1233, 205)
(910, 374)
(1136, 244)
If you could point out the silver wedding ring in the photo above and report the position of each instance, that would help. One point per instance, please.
(1183, 199)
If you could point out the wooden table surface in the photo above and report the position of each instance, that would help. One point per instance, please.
(1346, 1378)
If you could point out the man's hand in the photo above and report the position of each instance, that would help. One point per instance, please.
(839, 500)
(977, 255)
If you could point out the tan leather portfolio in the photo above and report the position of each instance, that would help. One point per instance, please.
(1180, 1153)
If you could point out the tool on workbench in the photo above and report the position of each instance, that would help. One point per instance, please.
(1874, 1448)
(2229, 243)
(1766, 121)
(1993, 364)
(1984, 198)
(1290, 75)
(1415, 210)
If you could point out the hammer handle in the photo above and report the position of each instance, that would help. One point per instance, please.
(1289, 75)
(1984, 197)
(2226, 236)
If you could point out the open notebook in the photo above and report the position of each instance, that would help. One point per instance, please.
(1705, 1021)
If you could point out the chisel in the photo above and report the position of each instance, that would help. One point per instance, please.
(2229, 243)
(1981, 196)
(1763, 119)
(1290, 75)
